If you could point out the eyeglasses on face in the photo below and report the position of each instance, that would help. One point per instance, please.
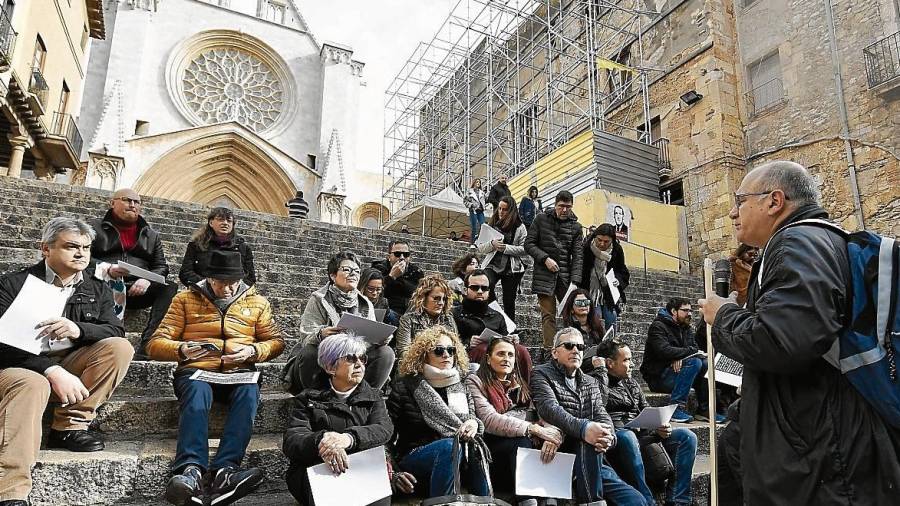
(399, 254)
(569, 346)
(352, 359)
(582, 302)
(437, 298)
(440, 351)
(685, 309)
(479, 288)
(374, 290)
(740, 198)
(129, 201)
(349, 270)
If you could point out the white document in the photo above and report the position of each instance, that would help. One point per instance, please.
(510, 325)
(35, 302)
(365, 482)
(534, 478)
(134, 270)
(370, 330)
(728, 371)
(234, 378)
(560, 304)
(487, 234)
(613, 289)
(652, 418)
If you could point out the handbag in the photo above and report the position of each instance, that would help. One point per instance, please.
(658, 465)
(458, 499)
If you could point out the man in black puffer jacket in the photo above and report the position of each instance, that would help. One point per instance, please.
(554, 241)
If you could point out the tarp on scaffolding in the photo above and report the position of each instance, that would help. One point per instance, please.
(436, 216)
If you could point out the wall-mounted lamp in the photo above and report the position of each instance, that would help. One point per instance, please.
(691, 97)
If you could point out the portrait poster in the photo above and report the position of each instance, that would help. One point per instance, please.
(620, 217)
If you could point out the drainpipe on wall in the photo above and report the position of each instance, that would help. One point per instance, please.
(842, 109)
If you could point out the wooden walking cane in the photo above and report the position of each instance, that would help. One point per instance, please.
(711, 385)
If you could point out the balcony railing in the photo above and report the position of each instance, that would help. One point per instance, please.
(883, 60)
(38, 87)
(765, 95)
(665, 164)
(64, 126)
(7, 40)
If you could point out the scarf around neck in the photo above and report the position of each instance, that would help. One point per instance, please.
(440, 378)
(345, 301)
(598, 273)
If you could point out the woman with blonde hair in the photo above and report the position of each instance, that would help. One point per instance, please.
(430, 407)
(429, 306)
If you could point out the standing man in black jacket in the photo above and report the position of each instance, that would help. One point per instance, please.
(83, 357)
(123, 234)
(401, 276)
(554, 241)
(498, 191)
(807, 435)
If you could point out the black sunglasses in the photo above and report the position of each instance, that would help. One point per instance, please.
(571, 346)
(479, 288)
(352, 359)
(582, 303)
(439, 351)
(404, 254)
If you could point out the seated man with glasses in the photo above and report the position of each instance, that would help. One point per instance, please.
(570, 400)
(672, 362)
(220, 325)
(124, 235)
(400, 275)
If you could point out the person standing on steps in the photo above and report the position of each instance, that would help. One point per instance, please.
(530, 207)
(83, 357)
(124, 235)
(554, 242)
(400, 275)
(505, 260)
(602, 253)
(217, 234)
(498, 191)
(224, 326)
(474, 201)
(297, 207)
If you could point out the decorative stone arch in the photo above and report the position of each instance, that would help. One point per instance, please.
(365, 213)
(223, 167)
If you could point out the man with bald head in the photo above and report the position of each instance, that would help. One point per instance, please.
(123, 234)
(807, 436)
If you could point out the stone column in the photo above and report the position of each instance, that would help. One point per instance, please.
(18, 145)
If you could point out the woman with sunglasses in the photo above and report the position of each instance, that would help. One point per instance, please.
(371, 284)
(505, 260)
(580, 313)
(428, 307)
(503, 403)
(320, 318)
(430, 406)
(601, 254)
(217, 234)
(329, 422)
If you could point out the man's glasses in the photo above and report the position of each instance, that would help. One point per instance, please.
(685, 309)
(569, 346)
(349, 270)
(440, 351)
(740, 198)
(479, 288)
(398, 254)
(582, 303)
(352, 359)
(127, 200)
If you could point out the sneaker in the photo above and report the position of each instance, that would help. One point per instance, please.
(75, 440)
(230, 484)
(681, 417)
(185, 488)
(720, 418)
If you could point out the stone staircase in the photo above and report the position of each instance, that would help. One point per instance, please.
(140, 422)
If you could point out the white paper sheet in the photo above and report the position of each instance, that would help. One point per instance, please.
(35, 302)
(728, 371)
(370, 330)
(652, 418)
(134, 270)
(487, 234)
(534, 478)
(560, 304)
(510, 325)
(365, 482)
(613, 289)
(234, 378)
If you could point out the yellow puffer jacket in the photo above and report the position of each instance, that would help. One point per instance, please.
(192, 316)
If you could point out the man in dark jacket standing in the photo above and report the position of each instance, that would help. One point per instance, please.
(567, 398)
(401, 276)
(498, 191)
(82, 357)
(123, 234)
(807, 436)
(554, 241)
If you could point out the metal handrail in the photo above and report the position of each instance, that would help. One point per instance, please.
(7, 39)
(665, 163)
(38, 86)
(770, 93)
(64, 126)
(883, 60)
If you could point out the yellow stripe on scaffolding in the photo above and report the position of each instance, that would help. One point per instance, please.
(603, 63)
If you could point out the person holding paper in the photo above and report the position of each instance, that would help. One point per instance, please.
(400, 275)
(221, 325)
(218, 233)
(625, 401)
(320, 319)
(603, 255)
(122, 234)
(554, 242)
(503, 403)
(571, 400)
(328, 424)
(430, 406)
(81, 358)
(475, 202)
(428, 307)
(505, 260)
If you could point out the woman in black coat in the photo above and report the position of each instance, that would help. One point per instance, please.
(335, 419)
(218, 234)
(602, 253)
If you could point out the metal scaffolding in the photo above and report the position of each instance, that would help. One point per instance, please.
(504, 82)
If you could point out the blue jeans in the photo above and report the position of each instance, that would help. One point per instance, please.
(596, 480)
(679, 384)
(433, 464)
(609, 316)
(476, 219)
(682, 449)
(195, 399)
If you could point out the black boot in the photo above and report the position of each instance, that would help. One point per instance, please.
(75, 440)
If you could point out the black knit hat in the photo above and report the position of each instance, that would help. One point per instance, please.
(225, 265)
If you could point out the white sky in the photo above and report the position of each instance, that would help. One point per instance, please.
(383, 34)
